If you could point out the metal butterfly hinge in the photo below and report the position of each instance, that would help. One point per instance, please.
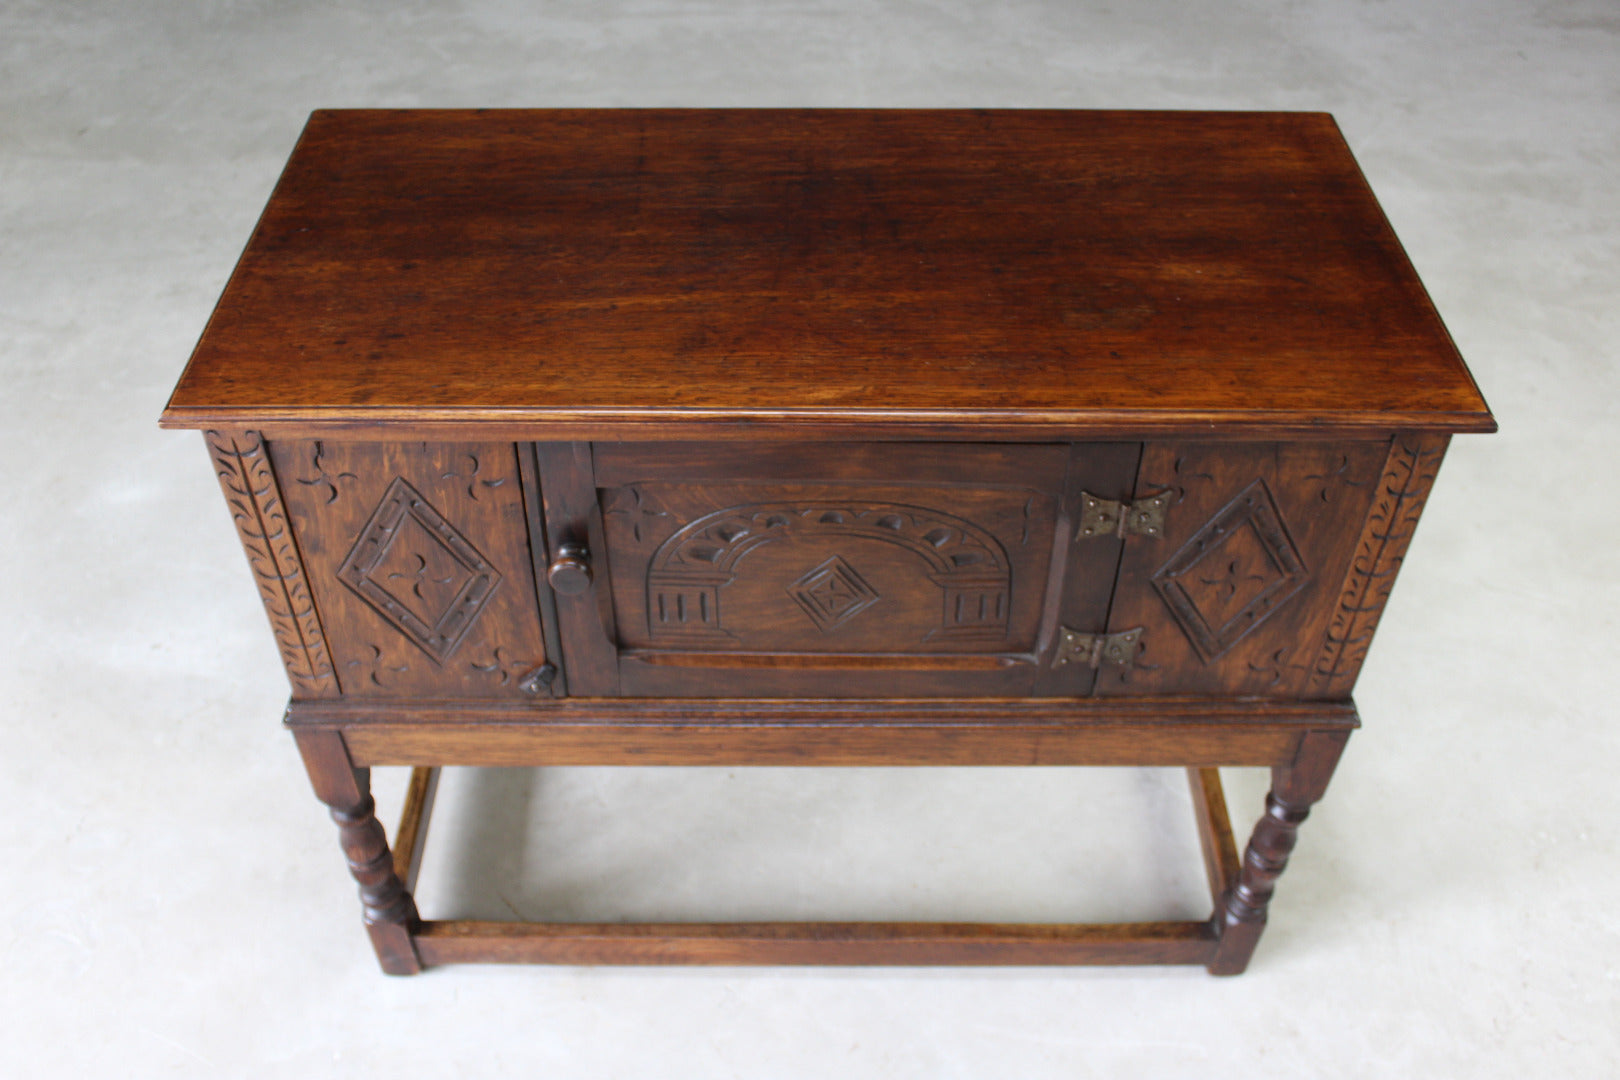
(1095, 650)
(1109, 517)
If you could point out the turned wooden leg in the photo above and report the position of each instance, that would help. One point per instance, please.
(1295, 788)
(390, 913)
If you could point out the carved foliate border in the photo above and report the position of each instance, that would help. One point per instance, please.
(242, 463)
(1403, 488)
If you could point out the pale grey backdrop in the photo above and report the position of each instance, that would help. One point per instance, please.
(172, 901)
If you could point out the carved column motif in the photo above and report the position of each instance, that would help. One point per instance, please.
(245, 476)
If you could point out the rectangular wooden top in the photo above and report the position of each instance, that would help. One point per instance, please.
(630, 273)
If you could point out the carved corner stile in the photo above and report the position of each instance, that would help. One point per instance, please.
(1403, 488)
(242, 463)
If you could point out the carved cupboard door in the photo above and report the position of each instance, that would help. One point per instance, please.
(824, 570)
(419, 565)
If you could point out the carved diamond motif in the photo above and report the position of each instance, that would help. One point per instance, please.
(1233, 573)
(832, 593)
(418, 572)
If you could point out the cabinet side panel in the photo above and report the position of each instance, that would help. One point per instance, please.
(248, 480)
(418, 560)
(1403, 489)
(1237, 595)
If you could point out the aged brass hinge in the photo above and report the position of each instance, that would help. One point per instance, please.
(1108, 517)
(1095, 650)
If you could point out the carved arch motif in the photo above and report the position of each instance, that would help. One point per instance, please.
(688, 571)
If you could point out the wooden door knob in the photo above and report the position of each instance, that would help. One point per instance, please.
(570, 572)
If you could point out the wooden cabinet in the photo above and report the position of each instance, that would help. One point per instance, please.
(847, 437)
(844, 569)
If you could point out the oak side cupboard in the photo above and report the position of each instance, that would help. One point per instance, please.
(824, 437)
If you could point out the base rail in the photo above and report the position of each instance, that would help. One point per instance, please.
(826, 943)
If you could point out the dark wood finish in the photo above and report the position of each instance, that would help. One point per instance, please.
(871, 943)
(1236, 597)
(249, 483)
(874, 743)
(539, 552)
(746, 437)
(1398, 499)
(840, 565)
(1061, 271)
(1081, 588)
(390, 913)
(419, 563)
(854, 943)
(1214, 831)
(717, 732)
(791, 571)
(411, 839)
(1295, 788)
(573, 519)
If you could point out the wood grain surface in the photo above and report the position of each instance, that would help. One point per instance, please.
(802, 570)
(602, 271)
(419, 563)
(859, 943)
(1032, 731)
(1238, 594)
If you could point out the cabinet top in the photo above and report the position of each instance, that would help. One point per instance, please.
(619, 273)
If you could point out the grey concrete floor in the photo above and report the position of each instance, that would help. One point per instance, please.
(171, 899)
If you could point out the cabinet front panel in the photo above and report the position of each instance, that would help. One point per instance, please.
(1239, 594)
(831, 570)
(418, 560)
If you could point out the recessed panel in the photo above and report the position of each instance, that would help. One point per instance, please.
(816, 568)
(418, 559)
(1235, 596)
(831, 569)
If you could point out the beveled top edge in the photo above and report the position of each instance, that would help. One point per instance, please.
(679, 423)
